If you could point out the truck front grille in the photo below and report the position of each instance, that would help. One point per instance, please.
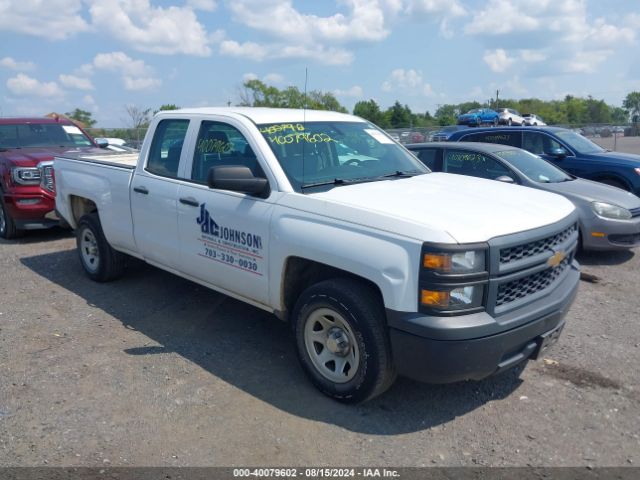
(635, 212)
(523, 287)
(519, 252)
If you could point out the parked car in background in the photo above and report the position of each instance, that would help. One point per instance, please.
(509, 116)
(442, 135)
(533, 120)
(27, 190)
(566, 149)
(609, 217)
(479, 116)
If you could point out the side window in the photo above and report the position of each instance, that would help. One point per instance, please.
(166, 147)
(464, 162)
(539, 143)
(503, 138)
(220, 144)
(428, 157)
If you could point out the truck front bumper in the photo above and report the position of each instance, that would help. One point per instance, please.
(476, 346)
(31, 211)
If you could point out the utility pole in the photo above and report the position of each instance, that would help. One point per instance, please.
(497, 96)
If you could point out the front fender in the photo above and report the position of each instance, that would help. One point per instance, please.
(389, 261)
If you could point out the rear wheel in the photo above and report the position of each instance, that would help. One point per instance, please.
(99, 260)
(342, 340)
(8, 228)
(509, 122)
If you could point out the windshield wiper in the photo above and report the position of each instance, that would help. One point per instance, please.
(335, 181)
(400, 173)
(352, 181)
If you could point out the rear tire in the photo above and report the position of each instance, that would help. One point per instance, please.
(8, 229)
(100, 261)
(342, 340)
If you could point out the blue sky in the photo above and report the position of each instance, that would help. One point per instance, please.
(101, 55)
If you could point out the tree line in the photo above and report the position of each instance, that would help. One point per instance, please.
(571, 110)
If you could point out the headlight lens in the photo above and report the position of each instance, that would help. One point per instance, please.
(606, 210)
(26, 175)
(453, 298)
(471, 261)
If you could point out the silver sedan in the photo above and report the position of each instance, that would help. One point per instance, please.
(609, 216)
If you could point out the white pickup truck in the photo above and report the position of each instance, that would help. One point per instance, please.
(380, 266)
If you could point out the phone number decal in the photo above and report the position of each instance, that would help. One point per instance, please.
(232, 257)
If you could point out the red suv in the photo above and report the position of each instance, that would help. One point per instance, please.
(27, 190)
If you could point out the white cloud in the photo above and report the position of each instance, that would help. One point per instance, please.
(504, 16)
(50, 19)
(167, 31)
(23, 85)
(408, 81)
(273, 79)
(355, 91)
(88, 100)
(451, 8)
(532, 56)
(258, 52)
(279, 18)
(79, 83)
(249, 76)
(204, 5)
(141, 83)
(136, 75)
(498, 60)
(586, 62)
(11, 64)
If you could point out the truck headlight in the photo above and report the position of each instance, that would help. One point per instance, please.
(470, 261)
(452, 278)
(606, 210)
(25, 175)
(452, 298)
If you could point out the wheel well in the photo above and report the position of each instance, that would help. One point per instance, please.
(613, 178)
(81, 206)
(301, 273)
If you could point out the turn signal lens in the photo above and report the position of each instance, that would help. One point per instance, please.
(437, 261)
(434, 298)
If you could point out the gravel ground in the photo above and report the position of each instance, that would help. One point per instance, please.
(155, 370)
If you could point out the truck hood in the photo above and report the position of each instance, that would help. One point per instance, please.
(30, 157)
(464, 208)
(589, 191)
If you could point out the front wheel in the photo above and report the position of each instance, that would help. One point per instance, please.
(342, 340)
(100, 261)
(8, 229)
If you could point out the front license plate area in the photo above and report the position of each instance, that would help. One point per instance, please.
(546, 340)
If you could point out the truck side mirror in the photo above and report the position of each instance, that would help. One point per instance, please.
(559, 153)
(101, 142)
(237, 179)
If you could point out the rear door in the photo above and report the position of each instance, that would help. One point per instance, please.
(154, 193)
(224, 235)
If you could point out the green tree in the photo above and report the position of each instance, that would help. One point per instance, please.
(399, 116)
(167, 106)
(446, 114)
(369, 110)
(632, 105)
(256, 93)
(82, 116)
(619, 115)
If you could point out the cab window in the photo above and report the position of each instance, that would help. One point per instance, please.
(474, 164)
(166, 147)
(219, 144)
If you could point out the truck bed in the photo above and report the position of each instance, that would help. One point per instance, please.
(114, 159)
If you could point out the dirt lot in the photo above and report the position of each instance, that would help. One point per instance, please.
(155, 370)
(619, 144)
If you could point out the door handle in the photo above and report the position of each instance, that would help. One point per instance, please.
(142, 190)
(190, 201)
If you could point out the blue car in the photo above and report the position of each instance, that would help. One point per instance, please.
(479, 116)
(566, 149)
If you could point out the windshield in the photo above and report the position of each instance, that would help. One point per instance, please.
(475, 110)
(579, 143)
(334, 153)
(534, 167)
(28, 135)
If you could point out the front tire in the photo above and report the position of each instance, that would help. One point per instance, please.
(8, 229)
(100, 261)
(342, 340)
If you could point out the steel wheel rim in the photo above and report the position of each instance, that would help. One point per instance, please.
(89, 250)
(3, 220)
(325, 334)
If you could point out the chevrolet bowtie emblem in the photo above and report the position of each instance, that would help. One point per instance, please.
(556, 259)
